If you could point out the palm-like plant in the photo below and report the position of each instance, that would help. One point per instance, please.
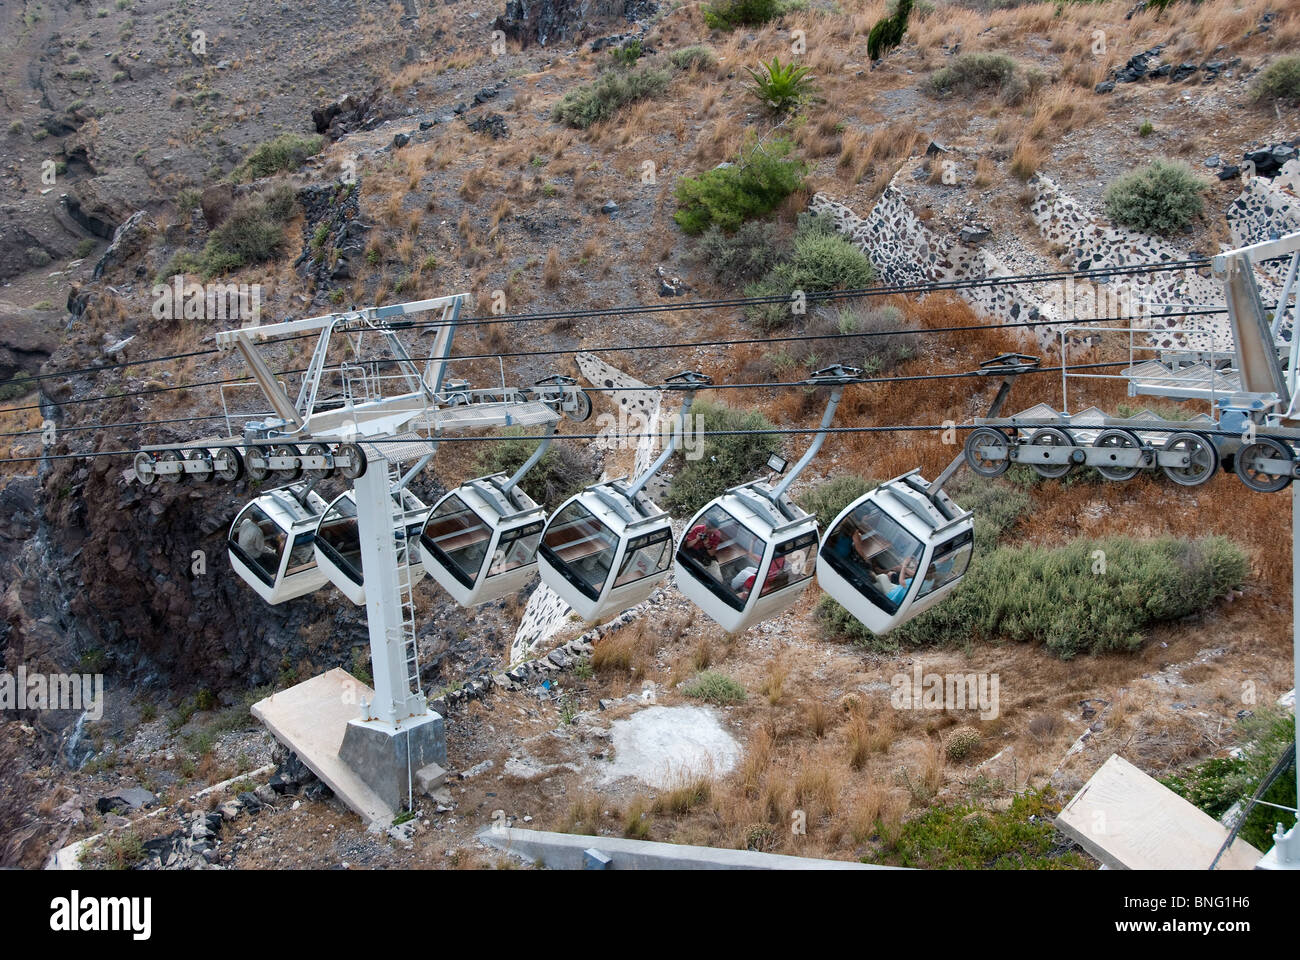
(781, 86)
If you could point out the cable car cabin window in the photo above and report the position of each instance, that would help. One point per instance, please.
(949, 563)
(725, 555)
(875, 554)
(303, 556)
(517, 548)
(341, 539)
(459, 538)
(581, 547)
(259, 542)
(646, 556)
(793, 562)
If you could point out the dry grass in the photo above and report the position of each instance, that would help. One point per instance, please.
(551, 271)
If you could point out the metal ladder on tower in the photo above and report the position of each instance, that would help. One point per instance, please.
(405, 581)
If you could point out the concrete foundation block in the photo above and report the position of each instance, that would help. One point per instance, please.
(378, 753)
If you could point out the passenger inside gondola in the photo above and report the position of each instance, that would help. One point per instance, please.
(875, 553)
(725, 554)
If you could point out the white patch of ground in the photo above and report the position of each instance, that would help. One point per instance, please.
(661, 746)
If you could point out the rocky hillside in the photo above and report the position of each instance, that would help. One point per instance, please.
(389, 151)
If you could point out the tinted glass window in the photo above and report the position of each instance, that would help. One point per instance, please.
(793, 562)
(339, 538)
(646, 556)
(724, 554)
(303, 556)
(458, 537)
(949, 563)
(259, 542)
(876, 554)
(516, 549)
(582, 547)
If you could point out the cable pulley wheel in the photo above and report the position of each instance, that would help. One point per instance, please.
(171, 456)
(292, 473)
(1112, 440)
(227, 464)
(199, 455)
(985, 466)
(318, 473)
(144, 469)
(1051, 437)
(257, 472)
(1201, 459)
(357, 456)
(583, 409)
(1249, 469)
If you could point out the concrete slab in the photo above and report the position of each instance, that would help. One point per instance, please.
(1130, 821)
(565, 851)
(311, 719)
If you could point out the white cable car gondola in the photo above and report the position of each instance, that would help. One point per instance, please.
(271, 543)
(607, 548)
(480, 540)
(896, 552)
(338, 542)
(750, 553)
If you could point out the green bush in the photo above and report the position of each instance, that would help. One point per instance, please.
(627, 54)
(729, 14)
(726, 461)
(881, 348)
(888, 32)
(827, 499)
(715, 688)
(967, 837)
(822, 259)
(781, 87)
(286, 152)
(1162, 197)
(252, 233)
(607, 94)
(1214, 785)
(695, 57)
(727, 196)
(1052, 596)
(738, 257)
(558, 475)
(1280, 81)
(972, 73)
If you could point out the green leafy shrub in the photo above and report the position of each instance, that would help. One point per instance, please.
(626, 54)
(286, 152)
(695, 57)
(781, 87)
(726, 461)
(252, 233)
(715, 687)
(607, 94)
(727, 196)
(884, 345)
(1162, 197)
(729, 14)
(1279, 81)
(967, 837)
(1052, 596)
(1214, 785)
(822, 259)
(888, 32)
(827, 499)
(738, 257)
(972, 73)
(559, 474)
